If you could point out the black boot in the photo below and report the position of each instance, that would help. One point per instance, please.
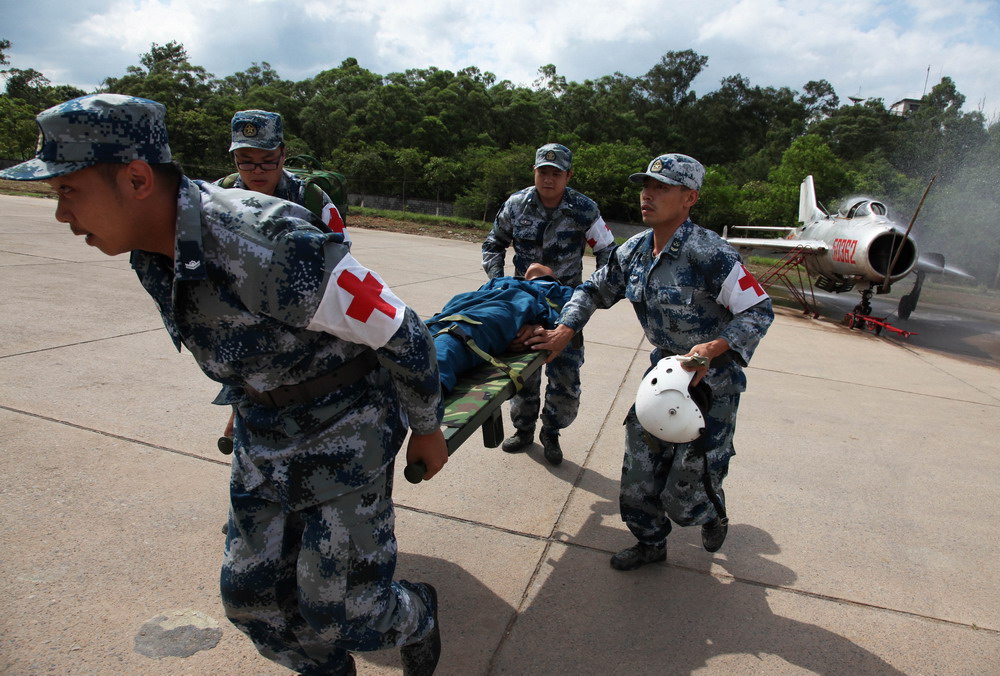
(518, 441)
(638, 555)
(421, 658)
(550, 444)
(713, 534)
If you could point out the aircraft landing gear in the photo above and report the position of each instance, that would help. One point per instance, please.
(865, 306)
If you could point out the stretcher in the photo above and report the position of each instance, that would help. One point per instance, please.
(475, 402)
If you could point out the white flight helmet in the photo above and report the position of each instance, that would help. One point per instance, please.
(664, 405)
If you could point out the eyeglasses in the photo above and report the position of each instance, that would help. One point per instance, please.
(252, 166)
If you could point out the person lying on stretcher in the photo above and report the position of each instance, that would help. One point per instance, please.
(497, 318)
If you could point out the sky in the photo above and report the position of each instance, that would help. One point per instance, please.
(888, 49)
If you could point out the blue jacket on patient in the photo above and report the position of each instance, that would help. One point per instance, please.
(492, 317)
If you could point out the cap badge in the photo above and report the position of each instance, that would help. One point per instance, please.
(41, 143)
(249, 130)
(550, 155)
(656, 166)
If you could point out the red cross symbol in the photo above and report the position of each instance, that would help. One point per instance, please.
(367, 296)
(592, 243)
(747, 281)
(334, 221)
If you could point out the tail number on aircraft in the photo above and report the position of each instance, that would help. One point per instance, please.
(843, 250)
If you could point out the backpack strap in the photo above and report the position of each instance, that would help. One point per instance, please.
(314, 198)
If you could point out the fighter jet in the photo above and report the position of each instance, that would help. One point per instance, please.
(856, 246)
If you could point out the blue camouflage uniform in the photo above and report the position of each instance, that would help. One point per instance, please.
(557, 240)
(310, 550)
(674, 296)
(268, 302)
(492, 316)
(290, 187)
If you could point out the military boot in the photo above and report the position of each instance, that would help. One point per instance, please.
(550, 444)
(638, 555)
(421, 658)
(713, 534)
(518, 441)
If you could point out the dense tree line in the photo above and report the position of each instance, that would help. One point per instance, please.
(469, 138)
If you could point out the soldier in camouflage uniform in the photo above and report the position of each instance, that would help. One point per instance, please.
(326, 366)
(258, 149)
(691, 295)
(549, 223)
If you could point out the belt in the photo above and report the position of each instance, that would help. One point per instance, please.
(346, 374)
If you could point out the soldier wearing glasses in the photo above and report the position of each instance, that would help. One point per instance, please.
(258, 150)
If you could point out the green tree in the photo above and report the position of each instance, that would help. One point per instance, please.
(441, 174)
(719, 202)
(938, 137)
(18, 131)
(601, 172)
(497, 174)
(668, 83)
(407, 167)
(197, 118)
(819, 99)
(738, 120)
(775, 202)
(856, 130)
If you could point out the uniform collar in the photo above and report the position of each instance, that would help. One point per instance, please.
(673, 249)
(189, 254)
(538, 200)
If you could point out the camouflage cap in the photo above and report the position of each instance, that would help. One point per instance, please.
(110, 128)
(554, 155)
(674, 169)
(256, 129)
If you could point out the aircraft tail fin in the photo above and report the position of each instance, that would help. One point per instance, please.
(808, 206)
(934, 262)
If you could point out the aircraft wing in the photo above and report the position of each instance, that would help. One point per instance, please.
(776, 245)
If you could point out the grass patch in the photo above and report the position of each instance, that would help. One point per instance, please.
(426, 219)
(26, 188)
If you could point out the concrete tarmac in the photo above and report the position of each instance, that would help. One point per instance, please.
(863, 498)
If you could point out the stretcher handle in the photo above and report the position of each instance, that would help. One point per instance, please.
(415, 471)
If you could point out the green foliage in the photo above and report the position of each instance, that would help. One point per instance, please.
(719, 201)
(18, 131)
(602, 169)
(494, 175)
(775, 201)
(469, 137)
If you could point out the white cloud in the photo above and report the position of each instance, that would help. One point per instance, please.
(878, 48)
(133, 26)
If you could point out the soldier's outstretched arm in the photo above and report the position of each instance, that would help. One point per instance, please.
(554, 340)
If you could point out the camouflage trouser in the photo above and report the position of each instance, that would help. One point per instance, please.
(310, 586)
(663, 482)
(562, 394)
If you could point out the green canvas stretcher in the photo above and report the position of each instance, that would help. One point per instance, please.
(475, 402)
